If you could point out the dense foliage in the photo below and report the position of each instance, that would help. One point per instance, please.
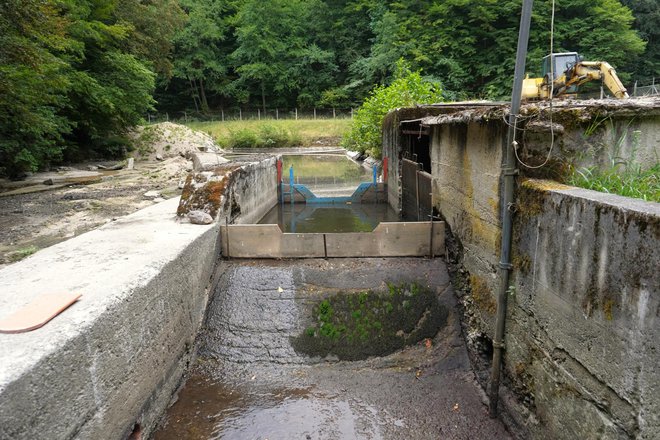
(407, 89)
(76, 74)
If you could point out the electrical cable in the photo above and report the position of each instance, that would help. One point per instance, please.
(552, 93)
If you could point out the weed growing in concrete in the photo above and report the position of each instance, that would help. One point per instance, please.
(22, 253)
(624, 177)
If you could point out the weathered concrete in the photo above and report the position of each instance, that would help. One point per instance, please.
(387, 240)
(113, 359)
(580, 351)
(241, 191)
(582, 335)
(207, 161)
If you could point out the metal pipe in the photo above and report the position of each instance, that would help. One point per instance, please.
(509, 171)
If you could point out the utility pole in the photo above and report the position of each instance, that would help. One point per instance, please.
(509, 171)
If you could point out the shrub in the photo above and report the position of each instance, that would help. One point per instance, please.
(243, 138)
(407, 89)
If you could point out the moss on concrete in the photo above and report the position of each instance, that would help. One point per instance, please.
(482, 295)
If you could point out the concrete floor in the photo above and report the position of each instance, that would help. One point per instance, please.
(248, 382)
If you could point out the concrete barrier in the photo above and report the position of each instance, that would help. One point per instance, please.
(110, 363)
(396, 239)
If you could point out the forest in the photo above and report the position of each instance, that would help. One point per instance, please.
(75, 75)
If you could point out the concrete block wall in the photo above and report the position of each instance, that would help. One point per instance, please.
(113, 359)
(466, 166)
(583, 329)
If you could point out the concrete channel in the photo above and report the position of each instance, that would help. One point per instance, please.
(163, 323)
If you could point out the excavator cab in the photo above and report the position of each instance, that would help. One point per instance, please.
(561, 63)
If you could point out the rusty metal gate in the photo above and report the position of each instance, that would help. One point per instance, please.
(416, 189)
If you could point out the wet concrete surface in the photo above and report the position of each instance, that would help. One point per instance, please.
(249, 383)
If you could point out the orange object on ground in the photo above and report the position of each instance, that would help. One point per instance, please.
(38, 312)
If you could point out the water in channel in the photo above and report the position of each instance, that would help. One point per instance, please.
(328, 175)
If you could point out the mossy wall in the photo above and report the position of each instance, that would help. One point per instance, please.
(583, 329)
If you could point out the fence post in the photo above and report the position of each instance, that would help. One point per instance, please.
(222, 114)
(185, 116)
(167, 116)
(259, 114)
(296, 113)
(334, 115)
(351, 112)
(240, 114)
(277, 113)
(635, 89)
(314, 112)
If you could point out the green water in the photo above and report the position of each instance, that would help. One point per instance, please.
(326, 173)
(302, 218)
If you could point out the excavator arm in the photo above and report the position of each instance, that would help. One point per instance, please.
(575, 75)
(586, 71)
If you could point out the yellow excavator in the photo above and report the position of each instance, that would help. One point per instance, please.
(567, 73)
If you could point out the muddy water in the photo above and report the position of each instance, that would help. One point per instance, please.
(249, 382)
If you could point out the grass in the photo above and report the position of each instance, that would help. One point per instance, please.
(274, 133)
(357, 325)
(624, 180)
(22, 253)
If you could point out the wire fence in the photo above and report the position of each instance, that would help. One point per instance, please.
(652, 89)
(247, 114)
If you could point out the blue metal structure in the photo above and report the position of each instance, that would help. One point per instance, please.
(311, 198)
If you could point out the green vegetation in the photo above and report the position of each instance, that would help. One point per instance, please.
(273, 133)
(76, 75)
(22, 253)
(358, 325)
(407, 89)
(623, 179)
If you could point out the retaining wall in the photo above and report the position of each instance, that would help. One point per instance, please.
(113, 359)
(580, 351)
(241, 191)
(583, 329)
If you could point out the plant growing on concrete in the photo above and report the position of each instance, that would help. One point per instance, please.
(358, 325)
(623, 176)
(408, 89)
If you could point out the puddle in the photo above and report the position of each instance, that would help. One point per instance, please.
(210, 410)
(329, 218)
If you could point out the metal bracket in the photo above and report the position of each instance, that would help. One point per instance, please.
(510, 171)
(506, 266)
(498, 345)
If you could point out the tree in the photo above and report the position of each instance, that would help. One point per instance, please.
(203, 47)
(276, 52)
(153, 24)
(647, 23)
(32, 85)
(470, 44)
(407, 89)
(110, 89)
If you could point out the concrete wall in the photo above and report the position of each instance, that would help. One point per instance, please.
(386, 240)
(241, 191)
(466, 159)
(580, 352)
(584, 328)
(115, 357)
